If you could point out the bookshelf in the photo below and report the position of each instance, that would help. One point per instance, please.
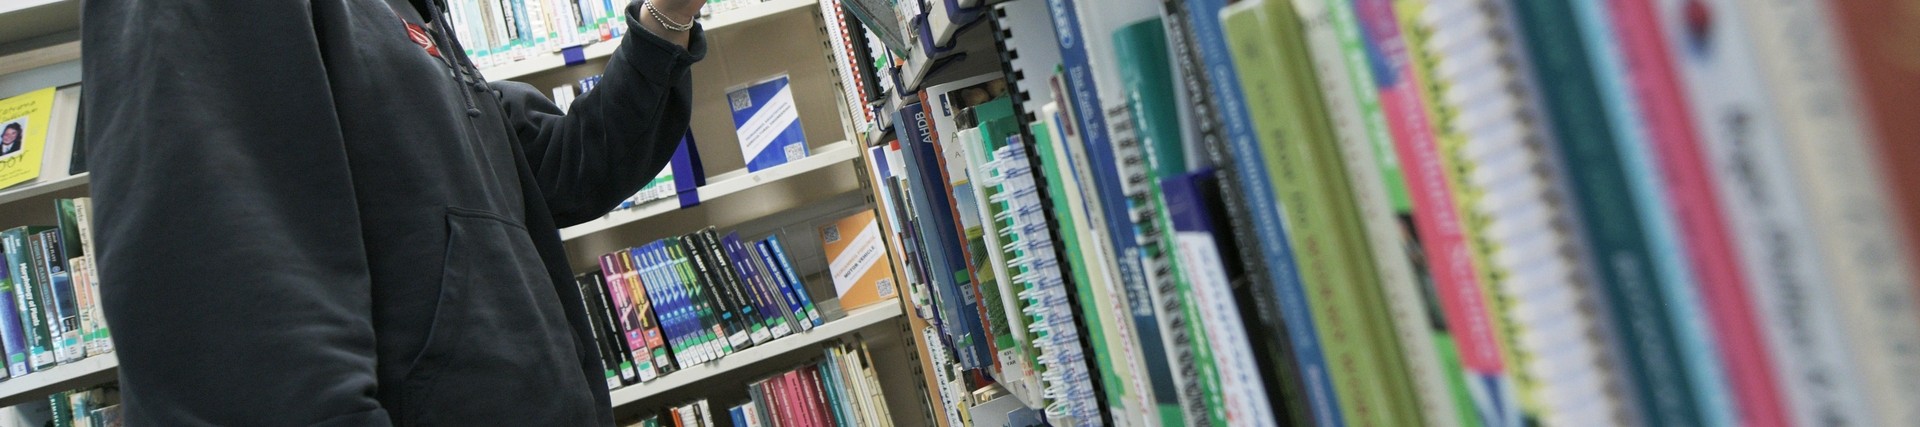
(37, 385)
(554, 60)
(731, 183)
(857, 320)
(39, 188)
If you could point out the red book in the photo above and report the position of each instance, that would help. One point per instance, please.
(1700, 218)
(816, 397)
(1884, 43)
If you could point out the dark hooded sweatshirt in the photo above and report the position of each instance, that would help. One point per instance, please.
(307, 218)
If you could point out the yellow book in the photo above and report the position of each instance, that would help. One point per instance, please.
(23, 135)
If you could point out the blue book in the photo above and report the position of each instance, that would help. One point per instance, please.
(793, 277)
(763, 263)
(63, 315)
(768, 123)
(13, 335)
(1281, 278)
(665, 309)
(961, 324)
(767, 292)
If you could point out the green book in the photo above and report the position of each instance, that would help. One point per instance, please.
(1155, 152)
(1300, 150)
(29, 296)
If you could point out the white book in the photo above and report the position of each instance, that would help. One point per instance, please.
(1825, 145)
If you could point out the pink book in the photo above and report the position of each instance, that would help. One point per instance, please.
(1435, 215)
(1690, 190)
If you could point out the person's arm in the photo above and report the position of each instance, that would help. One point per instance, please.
(615, 138)
(232, 266)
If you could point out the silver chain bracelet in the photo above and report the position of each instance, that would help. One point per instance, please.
(664, 21)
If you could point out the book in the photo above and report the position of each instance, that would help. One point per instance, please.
(615, 352)
(773, 283)
(1352, 110)
(1883, 74)
(768, 123)
(1623, 226)
(1828, 137)
(718, 321)
(631, 319)
(30, 296)
(779, 256)
(857, 261)
(1286, 109)
(24, 121)
(749, 328)
(772, 324)
(783, 322)
(13, 334)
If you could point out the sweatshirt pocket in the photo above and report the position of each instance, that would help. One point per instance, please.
(499, 351)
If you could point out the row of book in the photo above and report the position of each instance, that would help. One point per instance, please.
(840, 390)
(1398, 212)
(96, 406)
(690, 299)
(499, 32)
(51, 313)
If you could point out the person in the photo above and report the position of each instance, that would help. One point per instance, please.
(320, 213)
(10, 138)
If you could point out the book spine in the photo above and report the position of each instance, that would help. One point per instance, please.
(619, 335)
(13, 335)
(793, 276)
(1302, 163)
(772, 286)
(30, 299)
(1667, 341)
(670, 307)
(102, 339)
(1830, 144)
(748, 328)
(666, 334)
(63, 321)
(1345, 82)
(762, 259)
(780, 324)
(959, 318)
(627, 315)
(1442, 239)
(771, 324)
(609, 363)
(720, 333)
(1145, 135)
(1280, 296)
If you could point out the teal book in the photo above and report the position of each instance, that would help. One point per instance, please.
(29, 298)
(1154, 152)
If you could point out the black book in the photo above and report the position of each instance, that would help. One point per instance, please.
(726, 315)
(607, 331)
(725, 289)
(765, 308)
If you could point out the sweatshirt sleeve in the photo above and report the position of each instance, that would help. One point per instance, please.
(233, 269)
(615, 138)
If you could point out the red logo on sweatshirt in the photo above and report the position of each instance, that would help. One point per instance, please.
(420, 37)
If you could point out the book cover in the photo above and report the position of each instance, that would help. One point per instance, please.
(779, 256)
(959, 318)
(77, 260)
(613, 336)
(768, 123)
(656, 272)
(856, 261)
(23, 135)
(770, 284)
(665, 337)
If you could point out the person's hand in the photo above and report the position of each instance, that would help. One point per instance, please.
(677, 11)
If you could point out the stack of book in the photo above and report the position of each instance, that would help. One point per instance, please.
(499, 32)
(691, 299)
(51, 292)
(1396, 212)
